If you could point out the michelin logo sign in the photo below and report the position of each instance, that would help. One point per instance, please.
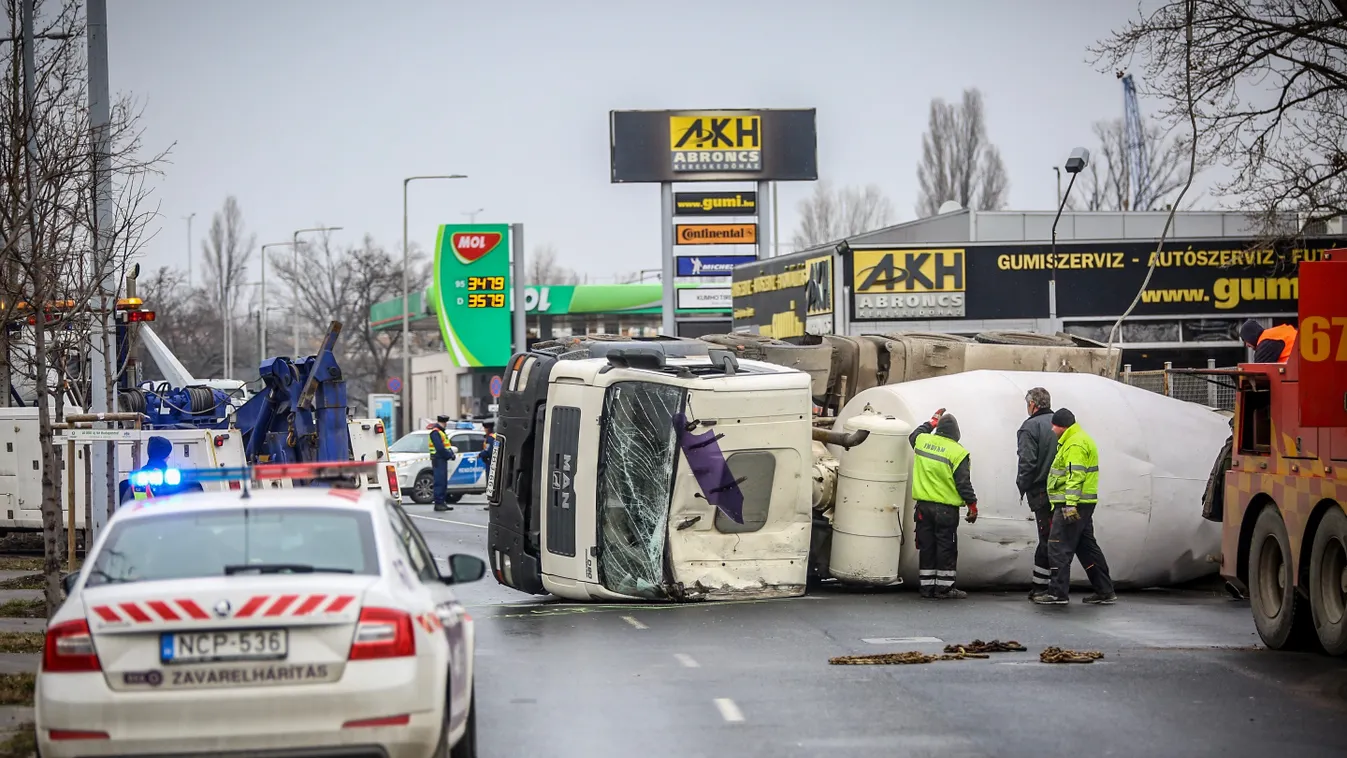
(711, 265)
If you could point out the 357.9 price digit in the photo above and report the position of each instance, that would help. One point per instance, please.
(1316, 339)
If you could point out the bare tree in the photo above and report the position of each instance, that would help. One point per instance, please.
(187, 321)
(228, 249)
(1108, 184)
(544, 267)
(957, 161)
(829, 215)
(333, 283)
(1269, 83)
(54, 161)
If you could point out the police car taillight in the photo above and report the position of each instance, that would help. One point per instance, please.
(383, 633)
(69, 649)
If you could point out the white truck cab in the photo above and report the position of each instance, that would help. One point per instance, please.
(641, 475)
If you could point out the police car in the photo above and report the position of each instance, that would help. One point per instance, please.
(272, 622)
(410, 457)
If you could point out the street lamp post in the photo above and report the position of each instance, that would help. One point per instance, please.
(294, 242)
(472, 215)
(189, 218)
(1078, 160)
(262, 341)
(406, 390)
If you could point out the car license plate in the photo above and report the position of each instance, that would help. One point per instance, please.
(241, 645)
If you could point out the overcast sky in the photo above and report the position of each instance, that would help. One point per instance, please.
(311, 112)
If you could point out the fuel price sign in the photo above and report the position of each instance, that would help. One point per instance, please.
(472, 278)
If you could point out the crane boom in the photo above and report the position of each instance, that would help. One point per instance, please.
(1137, 164)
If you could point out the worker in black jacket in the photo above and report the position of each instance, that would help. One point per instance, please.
(941, 485)
(1037, 448)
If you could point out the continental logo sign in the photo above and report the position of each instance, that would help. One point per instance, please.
(1228, 293)
(715, 203)
(715, 143)
(715, 234)
(909, 284)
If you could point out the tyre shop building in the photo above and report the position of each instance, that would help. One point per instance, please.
(968, 272)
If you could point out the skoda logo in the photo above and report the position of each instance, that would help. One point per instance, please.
(222, 609)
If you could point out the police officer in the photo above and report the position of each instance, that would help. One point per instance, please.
(1073, 490)
(157, 451)
(941, 485)
(1037, 448)
(440, 455)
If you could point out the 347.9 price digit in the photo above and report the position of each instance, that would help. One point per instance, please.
(1317, 335)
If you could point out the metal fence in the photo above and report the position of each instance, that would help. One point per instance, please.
(1211, 391)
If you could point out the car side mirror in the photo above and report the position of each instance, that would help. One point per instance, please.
(68, 582)
(464, 569)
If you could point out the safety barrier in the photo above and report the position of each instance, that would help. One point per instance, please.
(1211, 391)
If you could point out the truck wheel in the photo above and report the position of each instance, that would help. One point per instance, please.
(1328, 582)
(1281, 621)
(423, 489)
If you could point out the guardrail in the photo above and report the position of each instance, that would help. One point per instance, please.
(1195, 388)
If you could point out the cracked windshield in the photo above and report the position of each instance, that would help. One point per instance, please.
(453, 380)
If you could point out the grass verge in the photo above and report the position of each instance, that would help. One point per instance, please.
(24, 609)
(21, 744)
(27, 582)
(17, 689)
(21, 642)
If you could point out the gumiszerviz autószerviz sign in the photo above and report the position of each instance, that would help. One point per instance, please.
(472, 282)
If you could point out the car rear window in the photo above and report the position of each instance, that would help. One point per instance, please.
(204, 543)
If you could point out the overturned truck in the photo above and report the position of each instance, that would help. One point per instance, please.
(734, 467)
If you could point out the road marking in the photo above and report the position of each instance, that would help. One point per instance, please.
(687, 661)
(728, 710)
(634, 622)
(447, 521)
(903, 640)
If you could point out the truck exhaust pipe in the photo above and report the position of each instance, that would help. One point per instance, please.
(842, 439)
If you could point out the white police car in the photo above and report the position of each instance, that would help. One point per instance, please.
(271, 622)
(410, 456)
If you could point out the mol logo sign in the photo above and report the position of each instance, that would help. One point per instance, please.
(715, 143)
(908, 284)
(471, 246)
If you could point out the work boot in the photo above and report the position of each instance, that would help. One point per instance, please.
(1047, 598)
(927, 593)
(1035, 592)
(443, 507)
(1098, 599)
(951, 594)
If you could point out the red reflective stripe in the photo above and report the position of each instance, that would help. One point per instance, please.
(277, 608)
(107, 614)
(136, 614)
(192, 609)
(352, 495)
(308, 605)
(165, 612)
(338, 603)
(254, 603)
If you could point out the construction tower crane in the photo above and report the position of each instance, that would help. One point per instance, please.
(1136, 166)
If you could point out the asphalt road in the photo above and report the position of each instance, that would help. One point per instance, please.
(1183, 675)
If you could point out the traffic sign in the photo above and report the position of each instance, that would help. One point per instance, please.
(394, 384)
(495, 386)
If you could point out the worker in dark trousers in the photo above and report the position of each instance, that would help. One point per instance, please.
(440, 455)
(1037, 449)
(1073, 490)
(941, 484)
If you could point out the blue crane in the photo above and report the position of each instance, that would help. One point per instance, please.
(1136, 166)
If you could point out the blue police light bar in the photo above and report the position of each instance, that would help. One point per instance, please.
(317, 470)
(464, 425)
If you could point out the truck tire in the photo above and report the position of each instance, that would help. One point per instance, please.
(1279, 614)
(1328, 582)
(423, 488)
(1024, 338)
